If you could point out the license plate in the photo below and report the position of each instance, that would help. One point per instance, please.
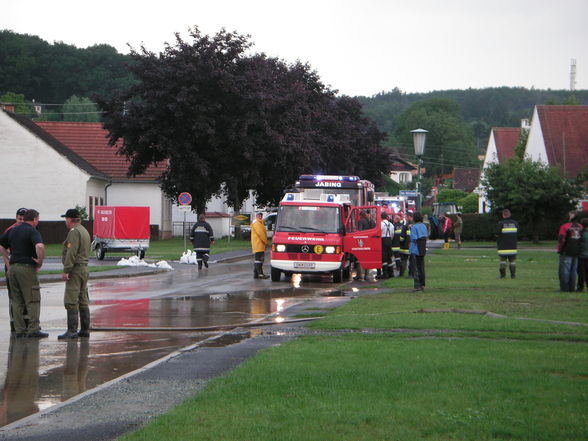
(304, 265)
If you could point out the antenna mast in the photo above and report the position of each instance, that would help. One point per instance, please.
(573, 75)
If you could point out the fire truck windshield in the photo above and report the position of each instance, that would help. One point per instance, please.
(308, 218)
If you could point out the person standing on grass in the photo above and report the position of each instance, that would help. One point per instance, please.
(202, 238)
(418, 249)
(457, 229)
(74, 257)
(583, 262)
(569, 244)
(506, 243)
(258, 245)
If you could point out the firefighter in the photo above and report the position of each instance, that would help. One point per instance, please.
(506, 243)
(405, 244)
(202, 238)
(387, 235)
(258, 245)
(396, 243)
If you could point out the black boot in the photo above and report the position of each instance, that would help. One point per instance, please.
(72, 326)
(502, 272)
(84, 322)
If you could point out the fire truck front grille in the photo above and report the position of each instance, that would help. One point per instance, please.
(302, 256)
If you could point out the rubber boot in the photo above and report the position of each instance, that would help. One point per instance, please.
(84, 322)
(513, 271)
(502, 272)
(261, 274)
(72, 326)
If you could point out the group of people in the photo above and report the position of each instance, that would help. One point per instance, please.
(23, 252)
(202, 237)
(404, 245)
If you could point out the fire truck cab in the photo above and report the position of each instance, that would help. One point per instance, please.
(322, 232)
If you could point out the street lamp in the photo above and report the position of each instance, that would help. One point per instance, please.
(418, 138)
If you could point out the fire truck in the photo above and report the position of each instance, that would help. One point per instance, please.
(319, 232)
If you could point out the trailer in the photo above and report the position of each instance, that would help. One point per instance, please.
(120, 229)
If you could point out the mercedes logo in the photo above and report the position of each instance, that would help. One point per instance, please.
(305, 248)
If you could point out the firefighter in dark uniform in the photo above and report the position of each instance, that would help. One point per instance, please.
(27, 253)
(405, 245)
(74, 257)
(19, 220)
(506, 243)
(202, 237)
(396, 242)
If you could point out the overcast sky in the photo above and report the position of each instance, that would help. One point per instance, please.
(358, 47)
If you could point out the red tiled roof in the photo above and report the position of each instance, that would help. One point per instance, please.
(565, 133)
(89, 141)
(506, 139)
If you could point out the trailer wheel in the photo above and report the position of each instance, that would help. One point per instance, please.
(100, 252)
(276, 274)
(141, 254)
(337, 276)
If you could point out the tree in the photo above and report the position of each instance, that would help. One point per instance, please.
(533, 191)
(18, 101)
(450, 141)
(80, 110)
(225, 122)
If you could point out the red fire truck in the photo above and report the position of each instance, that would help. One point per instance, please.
(319, 232)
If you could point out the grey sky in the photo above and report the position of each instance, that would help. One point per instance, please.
(358, 47)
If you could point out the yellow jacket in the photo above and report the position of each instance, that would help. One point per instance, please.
(258, 236)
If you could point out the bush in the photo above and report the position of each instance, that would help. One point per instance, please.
(482, 227)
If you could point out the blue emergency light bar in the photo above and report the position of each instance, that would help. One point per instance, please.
(328, 178)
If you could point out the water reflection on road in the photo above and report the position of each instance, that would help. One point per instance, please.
(42, 373)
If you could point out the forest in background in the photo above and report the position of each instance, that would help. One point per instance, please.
(56, 74)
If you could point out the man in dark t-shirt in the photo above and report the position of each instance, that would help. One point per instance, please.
(27, 252)
(19, 220)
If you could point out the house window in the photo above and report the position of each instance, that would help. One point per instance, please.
(91, 207)
(403, 178)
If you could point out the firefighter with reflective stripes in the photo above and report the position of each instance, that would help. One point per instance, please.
(506, 243)
(405, 244)
(396, 242)
(202, 238)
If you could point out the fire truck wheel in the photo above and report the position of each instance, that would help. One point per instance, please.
(276, 274)
(337, 276)
(347, 272)
(100, 252)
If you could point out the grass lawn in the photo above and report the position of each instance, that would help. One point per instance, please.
(171, 249)
(415, 375)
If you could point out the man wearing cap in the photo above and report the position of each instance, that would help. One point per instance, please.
(75, 273)
(19, 220)
(27, 253)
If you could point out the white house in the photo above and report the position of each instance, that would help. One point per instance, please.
(501, 146)
(559, 137)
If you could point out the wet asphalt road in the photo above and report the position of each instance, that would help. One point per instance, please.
(39, 375)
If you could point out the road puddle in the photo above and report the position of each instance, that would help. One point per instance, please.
(40, 374)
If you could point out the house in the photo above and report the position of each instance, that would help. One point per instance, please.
(559, 137)
(52, 166)
(501, 146)
(402, 171)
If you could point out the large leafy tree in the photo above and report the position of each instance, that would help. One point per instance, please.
(225, 122)
(531, 190)
(450, 141)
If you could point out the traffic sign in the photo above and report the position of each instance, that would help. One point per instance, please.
(185, 208)
(185, 198)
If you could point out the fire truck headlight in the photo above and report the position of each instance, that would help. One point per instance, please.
(330, 250)
(280, 248)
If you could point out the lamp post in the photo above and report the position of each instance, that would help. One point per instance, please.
(418, 138)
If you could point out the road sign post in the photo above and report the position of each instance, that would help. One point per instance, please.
(185, 199)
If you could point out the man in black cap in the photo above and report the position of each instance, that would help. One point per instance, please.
(27, 252)
(19, 220)
(75, 273)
